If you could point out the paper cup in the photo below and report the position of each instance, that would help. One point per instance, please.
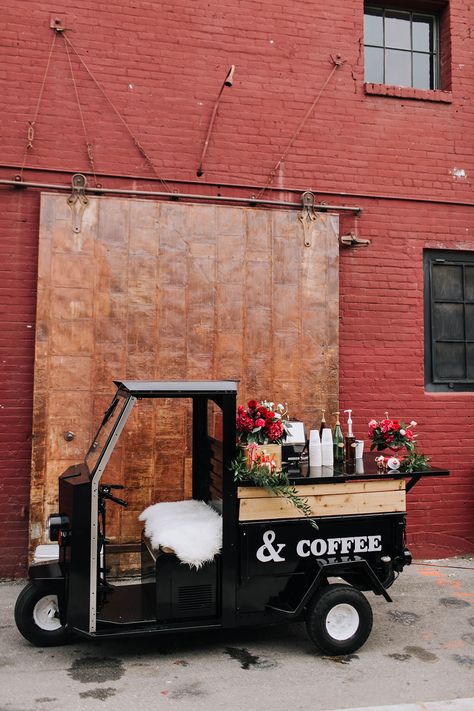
(359, 453)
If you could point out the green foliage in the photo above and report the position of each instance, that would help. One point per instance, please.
(275, 481)
(415, 462)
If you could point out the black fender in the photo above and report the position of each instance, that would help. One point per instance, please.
(337, 569)
(49, 572)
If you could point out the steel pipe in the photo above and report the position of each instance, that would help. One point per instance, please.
(178, 196)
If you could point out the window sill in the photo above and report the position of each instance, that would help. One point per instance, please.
(407, 92)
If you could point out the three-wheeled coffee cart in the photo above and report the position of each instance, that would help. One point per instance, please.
(273, 566)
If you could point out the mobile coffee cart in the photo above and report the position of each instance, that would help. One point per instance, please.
(273, 565)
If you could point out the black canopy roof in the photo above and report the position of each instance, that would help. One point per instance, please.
(177, 388)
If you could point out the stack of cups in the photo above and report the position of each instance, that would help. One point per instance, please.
(315, 459)
(327, 449)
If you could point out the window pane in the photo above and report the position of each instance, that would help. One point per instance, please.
(448, 321)
(470, 361)
(423, 71)
(397, 29)
(423, 33)
(447, 282)
(373, 26)
(449, 361)
(397, 68)
(469, 322)
(373, 65)
(469, 283)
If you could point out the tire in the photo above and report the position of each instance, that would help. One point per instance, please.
(339, 619)
(37, 616)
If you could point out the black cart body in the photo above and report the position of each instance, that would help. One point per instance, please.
(270, 568)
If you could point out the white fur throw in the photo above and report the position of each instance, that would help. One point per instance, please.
(191, 528)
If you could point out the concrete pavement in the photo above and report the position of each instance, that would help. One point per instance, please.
(420, 655)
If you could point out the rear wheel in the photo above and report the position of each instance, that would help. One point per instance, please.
(37, 616)
(339, 619)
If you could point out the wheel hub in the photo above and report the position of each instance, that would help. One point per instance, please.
(342, 621)
(46, 613)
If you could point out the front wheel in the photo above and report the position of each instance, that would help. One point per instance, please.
(339, 619)
(37, 616)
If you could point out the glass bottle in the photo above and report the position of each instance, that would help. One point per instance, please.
(338, 441)
(323, 424)
(350, 442)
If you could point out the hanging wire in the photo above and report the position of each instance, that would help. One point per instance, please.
(89, 147)
(31, 124)
(337, 63)
(119, 115)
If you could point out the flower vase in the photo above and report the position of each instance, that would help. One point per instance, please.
(397, 450)
(271, 453)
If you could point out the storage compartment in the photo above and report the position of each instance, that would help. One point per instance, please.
(338, 499)
(183, 592)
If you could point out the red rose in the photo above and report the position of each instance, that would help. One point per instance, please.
(241, 409)
(252, 404)
(274, 430)
(409, 434)
(259, 422)
(244, 423)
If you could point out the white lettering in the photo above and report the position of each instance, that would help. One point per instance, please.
(375, 543)
(360, 544)
(267, 552)
(319, 547)
(331, 546)
(346, 545)
(334, 545)
(301, 549)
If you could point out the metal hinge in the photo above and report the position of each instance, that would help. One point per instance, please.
(307, 216)
(78, 200)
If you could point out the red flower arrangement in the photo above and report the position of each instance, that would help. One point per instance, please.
(261, 423)
(391, 434)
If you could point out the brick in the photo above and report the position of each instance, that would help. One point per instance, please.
(162, 66)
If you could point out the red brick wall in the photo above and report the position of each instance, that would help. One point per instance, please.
(162, 65)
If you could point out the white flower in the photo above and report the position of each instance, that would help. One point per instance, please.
(413, 423)
(403, 432)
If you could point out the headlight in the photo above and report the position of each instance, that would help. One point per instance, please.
(57, 523)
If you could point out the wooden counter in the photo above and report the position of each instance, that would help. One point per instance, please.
(336, 491)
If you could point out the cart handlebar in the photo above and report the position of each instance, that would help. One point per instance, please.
(104, 493)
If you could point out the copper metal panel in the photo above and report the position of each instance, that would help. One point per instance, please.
(171, 291)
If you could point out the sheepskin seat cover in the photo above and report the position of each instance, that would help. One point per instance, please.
(191, 528)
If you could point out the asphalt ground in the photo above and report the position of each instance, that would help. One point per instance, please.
(420, 655)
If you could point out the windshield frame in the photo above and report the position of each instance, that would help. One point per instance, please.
(100, 442)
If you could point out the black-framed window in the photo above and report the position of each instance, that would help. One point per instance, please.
(401, 47)
(449, 320)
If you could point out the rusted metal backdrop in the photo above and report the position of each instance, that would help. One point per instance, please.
(150, 290)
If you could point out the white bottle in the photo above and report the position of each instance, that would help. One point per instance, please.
(327, 450)
(314, 449)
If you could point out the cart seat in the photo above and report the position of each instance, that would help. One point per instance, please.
(191, 529)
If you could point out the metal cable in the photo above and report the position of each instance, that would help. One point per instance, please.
(89, 147)
(337, 63)
(119, 115)
(31, 124)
